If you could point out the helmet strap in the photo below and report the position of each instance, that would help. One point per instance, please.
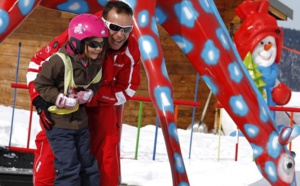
(76, 45)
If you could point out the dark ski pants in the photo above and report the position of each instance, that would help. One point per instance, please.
(74, 165)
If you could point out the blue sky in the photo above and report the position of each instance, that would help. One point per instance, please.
(295, 23)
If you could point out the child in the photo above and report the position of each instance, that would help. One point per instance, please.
(65, 84)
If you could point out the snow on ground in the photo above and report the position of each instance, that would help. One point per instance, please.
(211, 161)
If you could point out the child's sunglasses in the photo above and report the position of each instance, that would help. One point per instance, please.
(95, 44)
(116, 28)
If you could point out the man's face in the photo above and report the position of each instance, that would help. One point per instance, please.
(117, 38)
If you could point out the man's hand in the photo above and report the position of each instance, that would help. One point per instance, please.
(41, 107)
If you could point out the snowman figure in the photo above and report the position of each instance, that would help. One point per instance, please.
(264, 55)
(260, 35)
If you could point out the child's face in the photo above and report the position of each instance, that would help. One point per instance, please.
(94, 47)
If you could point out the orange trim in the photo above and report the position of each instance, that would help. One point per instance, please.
(176, 113)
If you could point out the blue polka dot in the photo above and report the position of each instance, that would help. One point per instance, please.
(148, 47)
(179, 165)
(185, 45)
(206, 6)
(172, 129)
(210, 53)
(238, 105)
(154, 26)
(160, 16)
(251, 130)
(214, 89)
(257, 150)
(222, 38)
(271, 171)
(235, 72)
(25, 6)
(183, 184)
(296, 131)
(102, 2)
(4, 21)
(164, 69)
(74, 6)
(131, 3)
(186, 13)
(164, 99)
(286, 133)
(143, 18)
(263, 115)
(273, 145)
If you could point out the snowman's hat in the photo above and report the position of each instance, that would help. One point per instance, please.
(257, 24)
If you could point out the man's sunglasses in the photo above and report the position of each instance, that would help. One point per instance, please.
(116, 28)
(95, 44)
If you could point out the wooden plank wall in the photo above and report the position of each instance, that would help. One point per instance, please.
(44, 24)
(36, 31)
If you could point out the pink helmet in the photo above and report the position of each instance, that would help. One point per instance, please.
(84, 26)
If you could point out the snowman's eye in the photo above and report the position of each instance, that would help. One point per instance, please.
(262, 43)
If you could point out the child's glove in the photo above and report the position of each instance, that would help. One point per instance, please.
(63, 101)
(41, 107)
(84, 96)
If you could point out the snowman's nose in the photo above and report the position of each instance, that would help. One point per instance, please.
(268, 46)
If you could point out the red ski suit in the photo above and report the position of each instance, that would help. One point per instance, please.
(120, 80)
(104, 122)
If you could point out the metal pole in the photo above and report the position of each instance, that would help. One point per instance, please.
(138, 130)
(155, 138)
(194, 111)
(15, 93)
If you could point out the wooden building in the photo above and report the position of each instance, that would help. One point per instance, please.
(44, 24)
